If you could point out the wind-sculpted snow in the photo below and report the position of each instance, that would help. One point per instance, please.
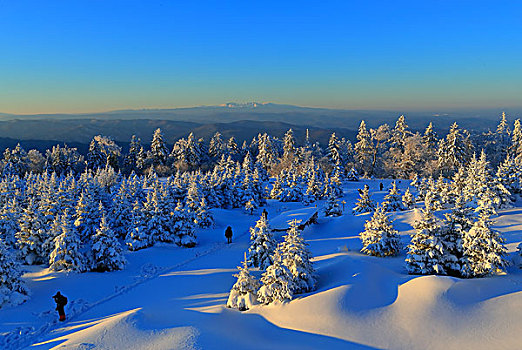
(169, 297)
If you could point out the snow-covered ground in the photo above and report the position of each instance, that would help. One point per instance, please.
(174, 298)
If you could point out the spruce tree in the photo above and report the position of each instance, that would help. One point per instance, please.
(158, 150)
(426, 250)
(32, 235)
(393, 199)
(204, 217)
(67, 254)
(364, 150)
(484, 250)
(87, 215)
(262, 244)
(297, 258)
(12, 287)
(106, 250)
(332, 206)
(379, 238)
(243, 293)
(138, 237)
(364, 203)
(408, 199)
(277, 282)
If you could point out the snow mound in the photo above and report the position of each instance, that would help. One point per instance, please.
(120, 330)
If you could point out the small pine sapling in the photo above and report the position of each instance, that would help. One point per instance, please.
(243, 293)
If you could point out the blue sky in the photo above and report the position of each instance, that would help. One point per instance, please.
(81, 56)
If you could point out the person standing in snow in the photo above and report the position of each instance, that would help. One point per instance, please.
(265, 213)
(228, 234)
(60, 301)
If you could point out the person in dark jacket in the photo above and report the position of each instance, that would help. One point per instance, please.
(381, 186)
(60, 301)
(228, 234)
(265, 213)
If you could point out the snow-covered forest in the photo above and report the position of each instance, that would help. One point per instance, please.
(73, 213)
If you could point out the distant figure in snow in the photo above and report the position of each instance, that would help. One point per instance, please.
(381, 186)
(60, 301)
(228, 234)
(265, 213)
(359, 190)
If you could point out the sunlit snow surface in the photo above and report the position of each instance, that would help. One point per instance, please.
(174, 298)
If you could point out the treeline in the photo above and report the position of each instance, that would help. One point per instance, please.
(395, 152)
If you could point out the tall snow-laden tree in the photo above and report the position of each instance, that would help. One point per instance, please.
(509, 174)
(379, 238)
(333, 150)
(67, 254)
(103, 152)
(332, 207)
(393, 199)
(364, 150)
(289, 150)
(456, 225)
(106, 250)
(515, 149)
(158, 150)
(484, 250)
(216, 147)
(15, 162)
(364, 203)
(10, 212)
(12, 288)
(62, 160)
(297, 258)
(454, 151)
(32, 234)
(266, 155)
(277, 282)
(243, 293)
(408, 199)
(87, 215)
(204, 217)
(138, 236)
(262, 244)
(131, 160)
(426, 250)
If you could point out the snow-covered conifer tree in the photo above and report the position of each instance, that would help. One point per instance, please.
(332, 206)
(138, 237)
(158, 150)
(393, 199)
(67, 254)
(243, 293)
(408, 199)
(32, 235)
(364, 203)
(364, 150)
(509, 174)
(277, 282)
(87, 215)
(352, 175)
(184, 226)
(426, 250)
(262, 244)
(484, 250)
(297, 258)
(204, 217)
(12, 287)
(379, 238)
(106, 250)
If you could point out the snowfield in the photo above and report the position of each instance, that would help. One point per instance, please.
(169, 297)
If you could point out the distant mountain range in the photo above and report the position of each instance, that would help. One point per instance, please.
(241, 120)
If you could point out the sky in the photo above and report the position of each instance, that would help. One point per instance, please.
(65, 56)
